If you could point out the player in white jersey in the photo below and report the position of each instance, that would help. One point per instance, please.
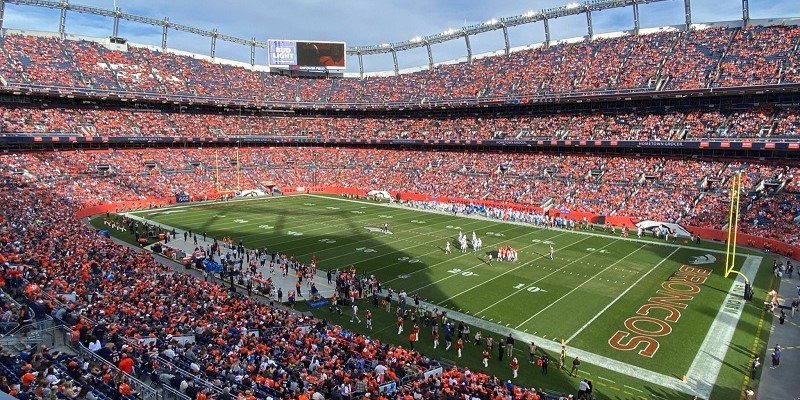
(447, 247)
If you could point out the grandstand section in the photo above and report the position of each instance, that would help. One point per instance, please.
(604, 162)
(700, 59)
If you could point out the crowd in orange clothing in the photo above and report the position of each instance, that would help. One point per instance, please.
(123, 296)
(756, 56)
(43, 190)
(713, 57)
(691, 192)
(766, 121)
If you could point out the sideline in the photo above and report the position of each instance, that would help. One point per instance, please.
(577, 232)
(708, 362)
(706, 366)
(554, 346)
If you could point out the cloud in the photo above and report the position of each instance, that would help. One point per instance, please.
(367, 22)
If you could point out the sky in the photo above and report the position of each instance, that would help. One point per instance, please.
(369, 22)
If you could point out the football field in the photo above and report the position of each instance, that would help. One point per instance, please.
(640, 307)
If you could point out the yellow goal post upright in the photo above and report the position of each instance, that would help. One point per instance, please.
(733, 231)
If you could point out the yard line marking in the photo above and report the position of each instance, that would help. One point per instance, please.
(542, 278)
(513, 269)
(605, 379)
(620, 296)
(442, 262)
(633, 388)
(229, 225)
(482, 264)
(577, 232)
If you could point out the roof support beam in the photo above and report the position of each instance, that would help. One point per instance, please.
(589, 27)
(62, 22)
(430, 55)
(546, 32)
(396, 66)
(746, 12)
(2, 13)
(469, 48)
(687, 7)
(505, 36)
(165, 27)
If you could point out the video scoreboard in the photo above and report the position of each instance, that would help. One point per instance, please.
(304, 55)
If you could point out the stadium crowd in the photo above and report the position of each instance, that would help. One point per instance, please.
(269, 351)
(665, 59)
(690, 192)
(129, 309)
(763, 122)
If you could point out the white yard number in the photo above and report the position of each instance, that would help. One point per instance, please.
(532, 289)
(266, 226)
(308, 204)
(357, 212)
(327, 241)
(408, 259)
(416, 221)
(497, 234)
(463, 273)
(541, 241)
(596, 250)
(332, 208)
(240, 221)
(293, 233)
(365, 250)
(453, 227)
(386, 216)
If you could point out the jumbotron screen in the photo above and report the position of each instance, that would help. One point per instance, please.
(307, 55)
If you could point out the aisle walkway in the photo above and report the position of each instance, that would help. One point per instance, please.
(781, 382)
(286, 284)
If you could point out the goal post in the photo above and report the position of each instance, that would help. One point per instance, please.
(733, 227)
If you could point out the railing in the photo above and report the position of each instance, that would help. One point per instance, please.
(144, 390)
(172, 393)
(203, 383)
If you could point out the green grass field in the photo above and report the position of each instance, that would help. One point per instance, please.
(594, 284)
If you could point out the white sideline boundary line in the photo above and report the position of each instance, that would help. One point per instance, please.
(611, 364)
(707, 363)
